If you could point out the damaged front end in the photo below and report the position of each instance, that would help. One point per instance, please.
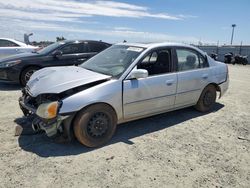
(44, 108)
(44, 100)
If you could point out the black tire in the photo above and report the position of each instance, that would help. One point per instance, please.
(207, 99)
(95, 125)
(244, 62)
(26, 112)
(26, 74)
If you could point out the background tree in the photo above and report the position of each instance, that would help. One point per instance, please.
(60, 38)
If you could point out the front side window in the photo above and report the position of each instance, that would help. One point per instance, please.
(189, 60)
(50, 48)
(6, 43)
(157, 62)
(114, 60)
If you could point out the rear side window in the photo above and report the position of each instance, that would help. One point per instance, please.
(74, 48)
(203, 62)
(6, 43)
(96, 47)
(189, 60)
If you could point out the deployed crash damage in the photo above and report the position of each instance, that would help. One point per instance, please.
(45, 106)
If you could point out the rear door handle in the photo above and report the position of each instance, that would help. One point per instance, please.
(169, 82)
(205, 76)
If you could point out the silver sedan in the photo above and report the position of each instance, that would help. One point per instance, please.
(124, 82)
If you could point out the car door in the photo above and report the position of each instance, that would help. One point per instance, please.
(91, 48)
(154, 94)
(193, 76)
(97, 47)
(72, 54)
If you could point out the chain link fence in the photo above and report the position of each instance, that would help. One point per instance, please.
(222, 50)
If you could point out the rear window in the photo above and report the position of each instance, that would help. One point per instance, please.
(97, 47)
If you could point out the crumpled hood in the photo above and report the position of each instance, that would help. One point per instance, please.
(59, 79)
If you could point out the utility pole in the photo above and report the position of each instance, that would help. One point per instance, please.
(240, 48)
(233, 26)
(217, 49)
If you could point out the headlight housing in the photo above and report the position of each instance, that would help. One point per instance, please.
(48, 110)
(10, 63)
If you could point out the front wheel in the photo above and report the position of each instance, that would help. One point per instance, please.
(95, 125)
(26, 74)
(207, 99)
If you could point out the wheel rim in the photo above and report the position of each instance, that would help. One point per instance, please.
(208, 98)
(98, 125)
(28, 75)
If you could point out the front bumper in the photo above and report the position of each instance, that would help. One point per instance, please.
(51, 126)
(224, 87)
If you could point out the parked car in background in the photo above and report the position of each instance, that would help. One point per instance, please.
(19, 68)
(240, 59)
(10, 47)
(123, 83)
(230, 58)
(214, 56)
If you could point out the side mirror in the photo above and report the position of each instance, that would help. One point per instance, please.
(57, 53)
(138, 73)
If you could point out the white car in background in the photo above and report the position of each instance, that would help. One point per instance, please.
(11, 46)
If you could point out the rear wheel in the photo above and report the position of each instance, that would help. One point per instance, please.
(244, 61)
(207, 99)
(95, 125)
(26, 74)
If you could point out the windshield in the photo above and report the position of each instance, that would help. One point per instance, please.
(114, 60)
(50, 48)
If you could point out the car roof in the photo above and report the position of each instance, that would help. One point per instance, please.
(80, 41)
(154, 44)
(161, 44)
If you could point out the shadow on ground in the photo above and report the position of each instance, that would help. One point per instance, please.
(43, 146)
(9, 86)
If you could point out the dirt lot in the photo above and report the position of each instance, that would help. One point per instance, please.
(184, 148)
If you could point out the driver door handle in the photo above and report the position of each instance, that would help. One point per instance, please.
(169, 82)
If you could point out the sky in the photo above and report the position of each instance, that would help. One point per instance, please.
(188, 21)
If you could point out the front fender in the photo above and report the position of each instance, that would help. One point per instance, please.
(108, 92)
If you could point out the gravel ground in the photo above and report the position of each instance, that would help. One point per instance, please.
(184, 148)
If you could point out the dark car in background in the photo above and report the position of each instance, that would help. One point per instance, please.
(19, 68)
